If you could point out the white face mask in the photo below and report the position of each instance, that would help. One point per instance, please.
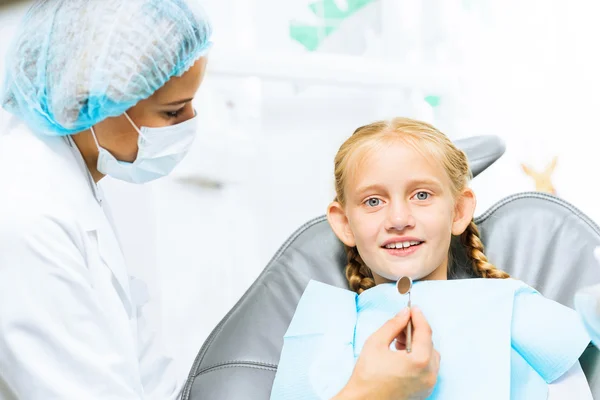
(159, 152)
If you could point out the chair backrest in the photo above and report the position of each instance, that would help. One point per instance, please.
(538, 238)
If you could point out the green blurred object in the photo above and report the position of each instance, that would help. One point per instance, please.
(329, 10)
(330, 15)
(467, 4)
(433, 101)
(310, 36)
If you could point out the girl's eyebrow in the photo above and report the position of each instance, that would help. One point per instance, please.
(370, 188)
(416, 182)
(429, 182)
(425, 182)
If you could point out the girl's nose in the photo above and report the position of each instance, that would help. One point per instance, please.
(399, 217)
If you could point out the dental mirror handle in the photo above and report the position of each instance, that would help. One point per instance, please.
(404, 285)
(409, 330)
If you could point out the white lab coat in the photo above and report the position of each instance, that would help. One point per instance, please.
(71, 322)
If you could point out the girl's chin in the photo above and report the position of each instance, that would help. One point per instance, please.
(393, 277)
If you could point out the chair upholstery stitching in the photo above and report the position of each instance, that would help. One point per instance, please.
(538, 195)
(238, 363)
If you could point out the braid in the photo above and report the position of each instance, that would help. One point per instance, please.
(358, 275)
(474, 246)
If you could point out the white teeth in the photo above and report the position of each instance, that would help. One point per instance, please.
(400, 245)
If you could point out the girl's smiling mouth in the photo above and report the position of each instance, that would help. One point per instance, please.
(402, 246)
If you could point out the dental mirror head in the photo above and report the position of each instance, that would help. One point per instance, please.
(404, 285)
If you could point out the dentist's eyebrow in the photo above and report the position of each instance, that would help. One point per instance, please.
(178, 102)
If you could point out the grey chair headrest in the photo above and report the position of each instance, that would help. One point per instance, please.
(482, 151)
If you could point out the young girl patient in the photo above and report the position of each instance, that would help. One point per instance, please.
(402, 195)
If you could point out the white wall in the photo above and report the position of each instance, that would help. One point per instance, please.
(534, 80)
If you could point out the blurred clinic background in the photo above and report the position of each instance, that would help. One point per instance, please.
(289, 80)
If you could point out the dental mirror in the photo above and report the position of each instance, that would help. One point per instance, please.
(404, 285)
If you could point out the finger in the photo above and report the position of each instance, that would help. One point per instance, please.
(385, 335)
(401, 337)
(400, 345)
(400, 341)
(421, 335)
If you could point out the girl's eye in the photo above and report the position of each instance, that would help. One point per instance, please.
(422, 196)
(373, 202)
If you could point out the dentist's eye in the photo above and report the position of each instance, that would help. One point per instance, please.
(373, 202)
(173, 114)
(422, 196)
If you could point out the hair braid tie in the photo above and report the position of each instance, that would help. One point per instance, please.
(358, 275)
(474, 246)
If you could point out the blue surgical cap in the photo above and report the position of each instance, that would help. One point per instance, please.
(75, 63)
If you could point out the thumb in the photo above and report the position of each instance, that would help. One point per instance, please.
(385, 335)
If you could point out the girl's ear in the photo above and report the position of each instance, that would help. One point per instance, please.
(339, 223)
(463, 212)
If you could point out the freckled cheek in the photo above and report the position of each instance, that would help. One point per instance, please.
(437, 229)
(435, 222)
(366, 229)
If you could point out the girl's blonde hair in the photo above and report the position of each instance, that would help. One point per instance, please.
(427, 139)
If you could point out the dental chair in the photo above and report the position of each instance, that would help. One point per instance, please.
(538, 238)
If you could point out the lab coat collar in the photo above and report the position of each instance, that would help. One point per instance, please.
(93, 219)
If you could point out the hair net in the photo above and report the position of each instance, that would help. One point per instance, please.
(75, 63)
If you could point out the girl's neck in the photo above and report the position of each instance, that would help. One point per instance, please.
(438, 274)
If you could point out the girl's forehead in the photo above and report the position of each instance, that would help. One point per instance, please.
(393, 159)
